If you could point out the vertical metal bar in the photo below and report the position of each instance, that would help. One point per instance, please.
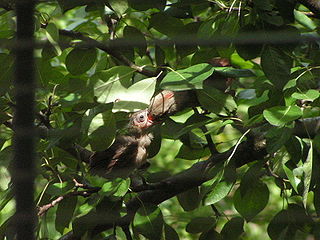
(23, 170)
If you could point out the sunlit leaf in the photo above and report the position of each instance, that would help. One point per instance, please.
(186, 79)
(309, 95)
(281, 115)
(307, 169)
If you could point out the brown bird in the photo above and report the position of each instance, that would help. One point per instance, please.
(127, 153)
(168, 102)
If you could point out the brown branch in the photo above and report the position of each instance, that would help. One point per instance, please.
(199, 173)
(86, 193)
(109, 50)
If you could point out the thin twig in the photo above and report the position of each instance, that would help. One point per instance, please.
(204, 129)
(43, 209)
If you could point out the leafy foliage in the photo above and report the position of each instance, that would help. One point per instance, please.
(254, 69)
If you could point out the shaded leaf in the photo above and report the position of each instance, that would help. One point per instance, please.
(211, 234)
(276, 138)
(233, 228)
(136, 35)
(276, 65)
(58, 189)
(148, 221)
(79, 60)
(252, 201)
(216, 101)
(190, 199)
(200, 224)
(64, 213)
(166, 24)
(142, 5)
(170, 233)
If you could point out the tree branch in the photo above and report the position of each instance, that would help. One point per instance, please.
(109, 50)
(199, 173)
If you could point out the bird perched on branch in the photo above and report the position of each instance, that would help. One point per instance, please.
(128, 152)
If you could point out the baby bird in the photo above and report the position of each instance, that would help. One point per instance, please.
(127, 153)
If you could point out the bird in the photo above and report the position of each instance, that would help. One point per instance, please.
(169, 102)
(127, 153)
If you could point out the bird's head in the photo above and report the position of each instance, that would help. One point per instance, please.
(140, 120)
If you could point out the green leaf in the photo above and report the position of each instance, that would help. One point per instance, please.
(102, 131)
(285, 224)
(233, 228)
(216, 101)
(58, 189)
(117, 187)
(189, 200)
(52, 33)
(170, 233)
(80, 60)
(304, 20)
(200, 224)
(159, 56)
(125, 98)
(148, 221)
(136, 36)
(119, 6)
(277, 137)
(252, 201)
(279, 225)
(281, 115)
(307, 169)
(6, 196)
(276, 65)
(211, 234)
(251, 176)
(6, 72)
(112, 81)
(248, 51)
(189, 153)
(229, 72)
(166, 24)
(194, 121)
(46, 74)
(64, 213)
(142, 5)
(220, 191)
(186, 79)
(291, 176)
(309, 95)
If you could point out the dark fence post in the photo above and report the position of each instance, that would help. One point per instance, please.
(23, 170)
